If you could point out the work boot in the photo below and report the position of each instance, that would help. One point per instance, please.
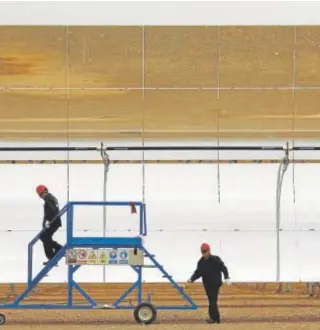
(210, 321)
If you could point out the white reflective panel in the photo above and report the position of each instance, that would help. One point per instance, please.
(248, 197)
(124, 183)
(251, 256)
(248, 256)
(178, 253)
(14, 256)
(86, 184)
(182, 212)
(297, 256)
(21, 208)
(289, 256)
(309, 267)
(181, 196)
(307, 206)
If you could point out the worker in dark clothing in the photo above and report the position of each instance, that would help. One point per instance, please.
(51, 222)
(210, 268)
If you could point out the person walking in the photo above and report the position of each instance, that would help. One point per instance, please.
(210, 267)
(51, 222)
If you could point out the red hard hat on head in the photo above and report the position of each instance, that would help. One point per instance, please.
(205, 247)
(40, 189)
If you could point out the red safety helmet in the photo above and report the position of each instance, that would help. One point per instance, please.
(41, 189)
(205, 247)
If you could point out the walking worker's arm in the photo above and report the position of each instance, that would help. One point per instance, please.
(197, 274)
(224, 269)
(51, 207)
(44, 221)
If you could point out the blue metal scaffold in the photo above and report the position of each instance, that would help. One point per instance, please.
(144, 312)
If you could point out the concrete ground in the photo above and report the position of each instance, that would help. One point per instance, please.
(243, 306)
(239, 318)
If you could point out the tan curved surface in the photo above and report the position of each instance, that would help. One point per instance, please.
(38, 64)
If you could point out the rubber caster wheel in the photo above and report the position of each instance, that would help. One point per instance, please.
(2, 319)
(145, 313)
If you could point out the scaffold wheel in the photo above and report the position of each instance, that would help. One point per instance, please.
(2, 319)
(145, 313)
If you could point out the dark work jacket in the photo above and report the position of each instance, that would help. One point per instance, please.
(210, 270)
(51, 209)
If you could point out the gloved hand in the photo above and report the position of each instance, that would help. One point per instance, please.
(47, 224)
(228, 281)
(184, 285)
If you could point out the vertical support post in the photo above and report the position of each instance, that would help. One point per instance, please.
(69, 223)
(143, 220)
(11, 294)
(69, 239)
(278, 193)
(141, 228)
(30, 263)
(104, 215)
(278, 254)
(139, 282)
(106, 163)
(70, 285)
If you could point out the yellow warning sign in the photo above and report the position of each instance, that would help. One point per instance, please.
(103, 258)
(92, 258)
(93, 255)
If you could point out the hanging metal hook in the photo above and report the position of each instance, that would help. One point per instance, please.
(104, 155)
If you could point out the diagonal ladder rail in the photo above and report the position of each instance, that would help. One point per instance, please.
(42, 274)
(73, 284)
(138, 284)
(192, 304)
(35, 240)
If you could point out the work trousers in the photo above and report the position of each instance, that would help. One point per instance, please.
(51, 247)
(212, 292)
